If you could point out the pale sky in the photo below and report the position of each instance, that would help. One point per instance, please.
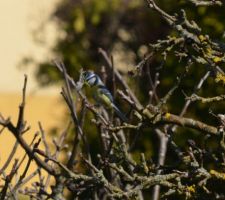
(18, 18)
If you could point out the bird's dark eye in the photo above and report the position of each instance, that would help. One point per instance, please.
(86, 75)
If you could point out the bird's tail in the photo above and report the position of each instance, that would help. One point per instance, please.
(119, 113)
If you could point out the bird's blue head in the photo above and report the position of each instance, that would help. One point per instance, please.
(90, 78)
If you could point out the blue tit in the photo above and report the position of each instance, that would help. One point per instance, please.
(101, 93)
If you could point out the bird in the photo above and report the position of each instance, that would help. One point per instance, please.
(101, 94)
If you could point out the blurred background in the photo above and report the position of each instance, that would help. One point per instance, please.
(19, 20)
(35, 32)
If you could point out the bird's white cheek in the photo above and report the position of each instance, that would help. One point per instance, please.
(91, 81)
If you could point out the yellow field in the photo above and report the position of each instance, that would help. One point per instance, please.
(46, 109)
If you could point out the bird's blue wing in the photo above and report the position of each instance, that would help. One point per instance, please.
(105, 93)
(119, 113)
(106, 98)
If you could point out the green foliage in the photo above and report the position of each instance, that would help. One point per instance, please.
(91, 24)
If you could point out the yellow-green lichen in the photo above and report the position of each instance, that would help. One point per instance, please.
(220, 78)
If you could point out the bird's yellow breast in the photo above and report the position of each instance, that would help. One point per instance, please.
(102, 98)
